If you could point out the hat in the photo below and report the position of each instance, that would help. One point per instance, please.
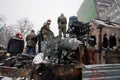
(19, 35)
(48, 20)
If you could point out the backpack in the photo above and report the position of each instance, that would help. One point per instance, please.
(63, 20)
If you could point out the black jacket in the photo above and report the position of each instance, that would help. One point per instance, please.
(15, 45)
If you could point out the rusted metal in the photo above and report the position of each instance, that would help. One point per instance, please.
(13, 72)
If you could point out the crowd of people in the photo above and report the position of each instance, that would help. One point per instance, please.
(16, 44)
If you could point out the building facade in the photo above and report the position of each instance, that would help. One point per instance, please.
(102, 9)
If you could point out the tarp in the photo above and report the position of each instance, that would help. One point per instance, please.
(100, 22)
(87, 11)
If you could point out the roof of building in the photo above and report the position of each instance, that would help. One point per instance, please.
(106, 23)
(103, 5)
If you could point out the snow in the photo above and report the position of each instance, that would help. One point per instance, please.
(38, 58)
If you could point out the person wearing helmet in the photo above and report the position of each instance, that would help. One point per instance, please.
(62, 21)
(16, 45)
(46, 32)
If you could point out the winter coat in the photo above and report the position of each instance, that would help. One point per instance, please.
(31, 39)
(39, 38)
(15, 45)
(47, 33)
(62, 21)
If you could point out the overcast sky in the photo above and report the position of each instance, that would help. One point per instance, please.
(38, 11)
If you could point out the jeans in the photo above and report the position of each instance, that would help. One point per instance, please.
(31, 50)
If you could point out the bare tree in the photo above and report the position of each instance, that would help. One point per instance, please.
(5, 36)
(25, 25)
(2, 18)
(2, 30)
(2, 21)
(7, 33)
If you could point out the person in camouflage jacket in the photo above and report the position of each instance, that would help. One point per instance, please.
(31, 40)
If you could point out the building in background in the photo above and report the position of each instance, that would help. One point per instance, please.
(101, 9)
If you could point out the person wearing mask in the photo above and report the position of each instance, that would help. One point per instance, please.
(16, 45)
(46, 32)
(31, 40)
(62, 21)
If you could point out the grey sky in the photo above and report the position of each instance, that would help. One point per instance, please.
(38, 11)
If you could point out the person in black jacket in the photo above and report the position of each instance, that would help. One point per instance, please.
(40, 39)
(16, 45)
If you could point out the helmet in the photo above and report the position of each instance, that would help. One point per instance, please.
(48, 20)
(19, 35)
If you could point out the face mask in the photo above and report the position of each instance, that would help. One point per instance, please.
(48, 23)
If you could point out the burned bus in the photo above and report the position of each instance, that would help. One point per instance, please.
(107, 52)
(107, 40)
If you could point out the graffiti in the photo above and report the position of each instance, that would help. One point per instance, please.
(96, 75)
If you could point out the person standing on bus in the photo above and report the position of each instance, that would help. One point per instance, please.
(62, 21)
